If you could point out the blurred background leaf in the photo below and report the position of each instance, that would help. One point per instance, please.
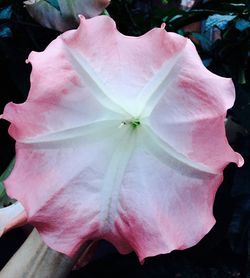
(4, 199)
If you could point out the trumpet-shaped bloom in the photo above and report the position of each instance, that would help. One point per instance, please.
(121, 138)
(65, 16)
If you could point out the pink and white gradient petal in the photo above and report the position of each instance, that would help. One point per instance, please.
(121, 138)
(195, 103)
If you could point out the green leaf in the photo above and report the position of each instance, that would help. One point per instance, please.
(242, 77)
(3, 177)
(54, 3)
(5, 15)
(5, 31)
(242, 24)
(205, 42)
(105, 12)
(220, 21)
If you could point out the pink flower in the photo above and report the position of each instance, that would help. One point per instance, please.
(121, 138)
(64, 17)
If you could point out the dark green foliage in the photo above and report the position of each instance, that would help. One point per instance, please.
(54, 3)
(5, 15)
(4, 200)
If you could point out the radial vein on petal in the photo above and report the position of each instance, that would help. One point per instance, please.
(156, 87)
(115, 173)
(93, 130)
(163, 150)
(88, 73)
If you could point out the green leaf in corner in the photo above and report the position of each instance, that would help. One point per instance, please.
(3, 177)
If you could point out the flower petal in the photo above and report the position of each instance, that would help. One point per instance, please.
(79, 101)
(194, 102)
(110, 148)
(122, 66)
(64, 197)
(67, 17)
(164, 204)
(11, 217)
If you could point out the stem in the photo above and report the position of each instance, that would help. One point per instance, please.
(34, 259)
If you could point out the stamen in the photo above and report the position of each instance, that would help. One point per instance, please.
(134, 123)
(122, 124)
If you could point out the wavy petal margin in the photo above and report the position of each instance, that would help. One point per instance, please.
(121, 138)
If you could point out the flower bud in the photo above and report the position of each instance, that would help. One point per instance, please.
(64, 16)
